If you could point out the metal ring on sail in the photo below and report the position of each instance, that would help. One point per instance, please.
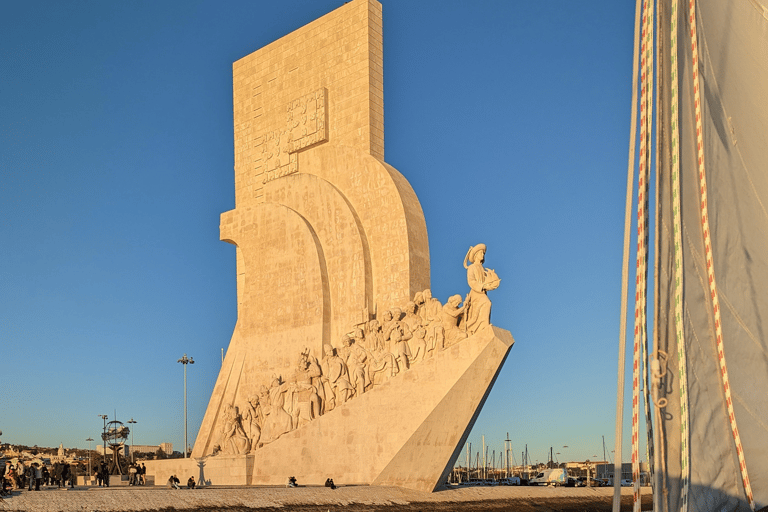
(710, 262)
(682, 360)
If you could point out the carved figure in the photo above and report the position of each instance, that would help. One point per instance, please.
(335, 379)
(374, 336)
(381, 364)
(396, 335)
(253, 419)
(356, 359)
(305, 399)
(480, 280)
(417, 344)
(453, 320)
(234, 440)
(276, 420)
(432, 310)
(418, 299)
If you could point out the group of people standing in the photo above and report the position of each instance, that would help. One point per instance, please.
(33, 475)
(136, 474)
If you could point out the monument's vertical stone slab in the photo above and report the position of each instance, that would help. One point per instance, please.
(327, 234)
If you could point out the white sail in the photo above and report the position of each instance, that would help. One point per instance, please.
(727, 454)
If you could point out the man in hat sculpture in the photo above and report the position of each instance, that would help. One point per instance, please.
(480, 280)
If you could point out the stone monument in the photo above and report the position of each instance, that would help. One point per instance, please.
(341, 363)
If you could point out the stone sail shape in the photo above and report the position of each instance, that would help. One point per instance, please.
(733, 72)
(327, 234)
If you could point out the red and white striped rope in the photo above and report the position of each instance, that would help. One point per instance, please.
(644, 344)
(685, 463)
(642, 236)
(710, 263)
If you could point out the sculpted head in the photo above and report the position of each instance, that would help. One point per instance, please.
(373, 325)
(346, 340)
(253, 400)
(397, 313)
(328, 350)
(387, 315)
(427, 294)
(410, 307)
(477, 253)
(454, 300)
(418, 298)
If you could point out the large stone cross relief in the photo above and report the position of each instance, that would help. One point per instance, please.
(305, 125)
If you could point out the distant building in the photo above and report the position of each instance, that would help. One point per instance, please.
(139, 448)
(606, 471)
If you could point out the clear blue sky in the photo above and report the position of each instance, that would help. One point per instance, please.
(510, 119)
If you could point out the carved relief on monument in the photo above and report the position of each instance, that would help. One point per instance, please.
(368, 355)
(305, 125)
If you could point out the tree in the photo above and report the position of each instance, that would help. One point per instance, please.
(160, 454)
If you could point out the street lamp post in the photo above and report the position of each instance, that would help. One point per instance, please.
(133, 453)
(104, 435)
(185, 361)
(90, 449)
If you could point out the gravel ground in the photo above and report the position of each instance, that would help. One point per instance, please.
(321, 499)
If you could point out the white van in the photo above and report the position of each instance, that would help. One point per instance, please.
(550, 477)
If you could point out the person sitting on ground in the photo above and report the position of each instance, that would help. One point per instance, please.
(333, 485)
(191, 483)
(292, 482)
(173, 482)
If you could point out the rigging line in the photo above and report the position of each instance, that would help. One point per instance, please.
(710, 262)
(625, 264)
(644, 346)
(654, 435)
(685, 455)
(646, 93)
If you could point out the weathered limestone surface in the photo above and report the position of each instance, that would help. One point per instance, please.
(341, 363)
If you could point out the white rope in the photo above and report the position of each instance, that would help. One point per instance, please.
(625, 269)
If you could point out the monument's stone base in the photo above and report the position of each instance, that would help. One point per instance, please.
(406, 431)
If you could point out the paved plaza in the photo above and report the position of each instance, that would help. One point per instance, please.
(102, 499)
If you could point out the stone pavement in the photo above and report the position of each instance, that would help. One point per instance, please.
(112, 499)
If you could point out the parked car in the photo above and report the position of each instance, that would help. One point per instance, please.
(550, 477)
(512, 480)
(570, 482)
(626, 482)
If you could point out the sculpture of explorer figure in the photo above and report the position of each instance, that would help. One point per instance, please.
(480, 280)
